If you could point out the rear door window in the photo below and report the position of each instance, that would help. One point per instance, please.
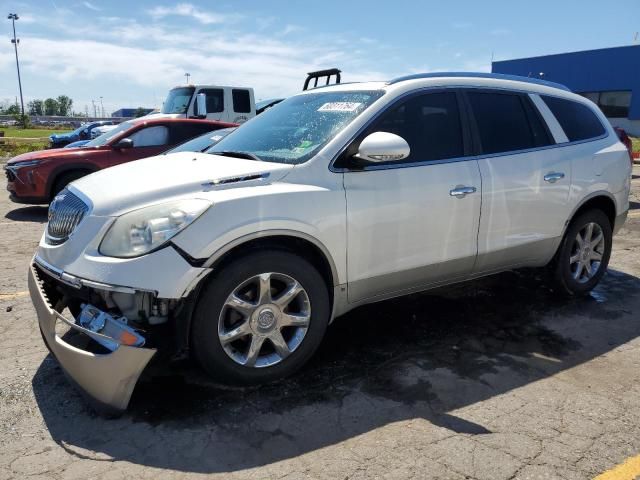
(154, 136)
(504, 124)
(578, 121)
(181, 132)
(241, 101)
(430, 124)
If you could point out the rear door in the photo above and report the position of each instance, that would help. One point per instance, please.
(406, 228)
(525, 183)
(181, 132)
(243, 105)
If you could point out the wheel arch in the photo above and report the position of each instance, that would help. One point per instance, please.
(296, 242)
(67, 168)
(600, 200)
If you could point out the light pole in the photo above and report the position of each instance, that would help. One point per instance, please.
(13, 17)
(95, 112)
(102, 107)
(187, 75)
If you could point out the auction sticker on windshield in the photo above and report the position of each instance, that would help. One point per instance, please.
(339, 107)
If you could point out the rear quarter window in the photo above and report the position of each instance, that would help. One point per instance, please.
(578, 121)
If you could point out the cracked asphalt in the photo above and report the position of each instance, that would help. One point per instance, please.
(494, 379)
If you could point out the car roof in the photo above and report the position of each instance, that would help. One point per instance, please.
(497, 76)
(151, 121)
(462, 79)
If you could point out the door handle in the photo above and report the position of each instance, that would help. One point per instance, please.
(461, 191)
(553, 177)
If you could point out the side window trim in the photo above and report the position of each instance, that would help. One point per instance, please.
(552, 122)
(359, 136)
(534, 116)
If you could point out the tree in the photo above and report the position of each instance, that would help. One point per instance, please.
(35, 107)
(13, 109)
(50, 107)
(140, 112)
(64, 105)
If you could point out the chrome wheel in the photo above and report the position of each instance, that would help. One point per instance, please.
(586, 252)
(264, 320)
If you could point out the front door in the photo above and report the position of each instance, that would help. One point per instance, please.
(147, 141)
(408, 224)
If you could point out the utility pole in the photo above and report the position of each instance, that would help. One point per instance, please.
(187, 75)
(102, 107)
(13, 17)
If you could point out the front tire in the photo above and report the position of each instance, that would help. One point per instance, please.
(583, 255)
(65, 179)
(260, 318)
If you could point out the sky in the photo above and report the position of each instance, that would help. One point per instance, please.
(131, 53)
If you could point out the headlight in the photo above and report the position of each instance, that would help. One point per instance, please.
(141, 231)
(24, 163)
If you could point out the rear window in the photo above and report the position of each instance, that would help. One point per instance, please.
(241, 101)
(503, 122)
(577, 120)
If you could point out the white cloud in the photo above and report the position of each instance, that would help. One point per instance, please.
(290, 29)
(134, 62)
(91, 6)
(189, 10)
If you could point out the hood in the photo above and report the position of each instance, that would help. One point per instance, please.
(119, 189)
(50, 154)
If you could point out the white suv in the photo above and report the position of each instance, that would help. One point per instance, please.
(339, 196)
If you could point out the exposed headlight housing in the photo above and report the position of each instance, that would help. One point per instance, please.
(24, 163)
(142, 231)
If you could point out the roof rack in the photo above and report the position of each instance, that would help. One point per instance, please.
(498, 76)
(321, 74)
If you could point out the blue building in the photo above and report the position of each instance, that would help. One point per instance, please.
(129, 112)
(610, 77)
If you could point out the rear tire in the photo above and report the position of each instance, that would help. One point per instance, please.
(65, 179)
(583, 255)
(260, 318)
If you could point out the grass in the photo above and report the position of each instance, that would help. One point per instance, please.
(30, 132)
(14, 149)
(635, 141)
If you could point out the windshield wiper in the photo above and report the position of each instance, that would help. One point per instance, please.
(230, 153)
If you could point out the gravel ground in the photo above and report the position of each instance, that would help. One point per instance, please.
(495, 379)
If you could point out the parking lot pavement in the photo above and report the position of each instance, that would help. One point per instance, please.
(495, 379)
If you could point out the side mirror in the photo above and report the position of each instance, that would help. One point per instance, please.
(383, 147)
(124, 143)
(201, 105)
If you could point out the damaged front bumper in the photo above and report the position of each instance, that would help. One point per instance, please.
(107, 379)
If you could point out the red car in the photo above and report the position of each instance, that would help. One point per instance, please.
(37, 177)
(624, 138)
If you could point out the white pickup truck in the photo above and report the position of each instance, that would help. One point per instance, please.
(211, 102)
(228, 104)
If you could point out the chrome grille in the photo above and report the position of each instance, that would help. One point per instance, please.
(65, 213)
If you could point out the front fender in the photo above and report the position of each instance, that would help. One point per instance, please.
(313, 213)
